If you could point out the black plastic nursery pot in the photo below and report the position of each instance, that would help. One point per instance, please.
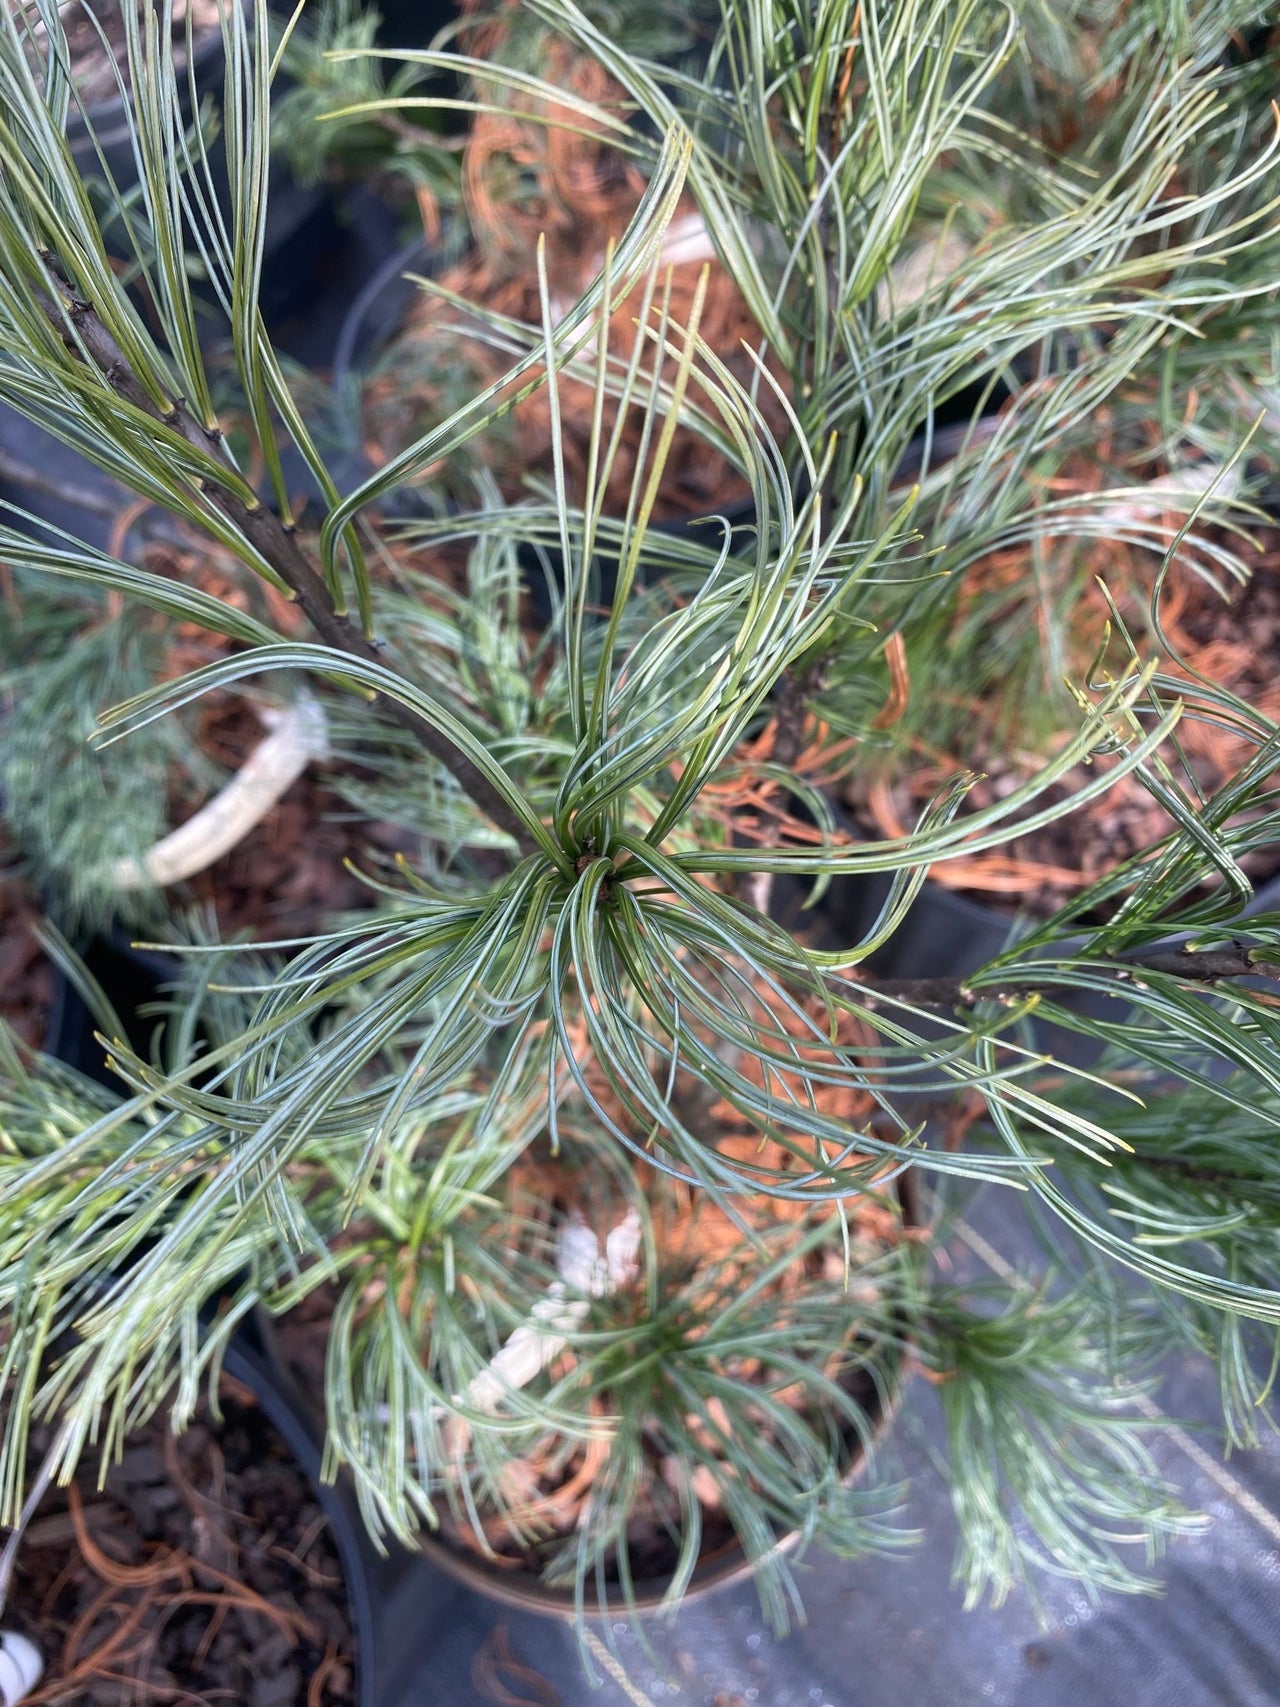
(376, 315)
(720, 1569)
(384, 1581)
(322, 269)
(245, 1361)
(399, 1601)
(305, 232)
(399, 1605)
(946, 934)
(413, 24)
(319, 248)
(100, 137)
(133, 978)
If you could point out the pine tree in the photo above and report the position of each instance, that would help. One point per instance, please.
(587, 970)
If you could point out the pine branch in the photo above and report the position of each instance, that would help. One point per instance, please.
(1197, 966)
(85, 335)
(791, 710)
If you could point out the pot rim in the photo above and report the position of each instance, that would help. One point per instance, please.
(726, 1566)
(966, 909)
(82, 122)
(257, 1367)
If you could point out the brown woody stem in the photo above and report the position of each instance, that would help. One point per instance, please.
(790, 707)
(1197, 966)
(84, 333)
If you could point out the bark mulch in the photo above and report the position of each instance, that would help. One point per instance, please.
(1233, 642)
(202, 1571)
(26, 978)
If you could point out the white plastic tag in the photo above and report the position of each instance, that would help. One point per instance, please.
(21, 1667)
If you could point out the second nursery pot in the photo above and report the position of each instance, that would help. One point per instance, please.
(302, 236)
(367, 1577)
(983, 691)
(454, 1550)
(947, 934)
(673, 1409)
(822, 1327)
(397, 1600)
(99, 132)
(130, 978)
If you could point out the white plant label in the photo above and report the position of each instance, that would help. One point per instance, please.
(298, 734)
(21, 1667)
(538, 1342)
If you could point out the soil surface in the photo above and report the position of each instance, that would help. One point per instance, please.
(578, 193)
(26, 978)
(1235, 643)
(202, 1572)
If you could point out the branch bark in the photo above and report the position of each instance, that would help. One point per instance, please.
(83, 331)
(1196, 966)
(790, 709)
